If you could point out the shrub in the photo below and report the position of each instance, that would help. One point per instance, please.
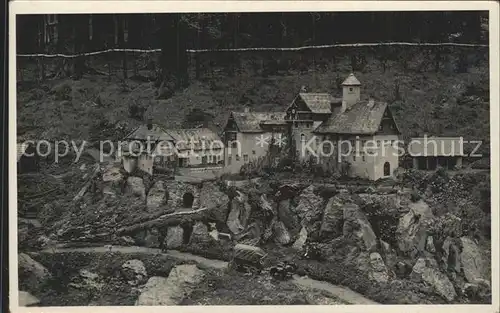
(62, 92)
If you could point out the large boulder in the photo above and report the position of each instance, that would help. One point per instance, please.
(134, 272)
(200, 234)
(357, 227)
(379, 270)
(288, 218)
(332, 223)
(240, 212)
(451, 254)
(310, 207)
(301, 240)
(135, 185)
(180, 283)
(112, 180)
(475, 263)
(33, 276)
(152, 239)
(174, 238)
(411, 233)
(215, 200)
(426, 270)
(266, 206)
(157, 196)
(281, 234)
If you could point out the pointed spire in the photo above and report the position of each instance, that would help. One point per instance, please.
(351, 80)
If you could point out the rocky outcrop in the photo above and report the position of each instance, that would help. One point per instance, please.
(135, 186)
(429, 245)
(411, 233)
(161, 291)
(288, 218)
(134, 272)
(474, 263)
(239, 214)
(215, 200)
(152, 239)
(310, 207)
(32, 275)
(200, 234)
(357, 227)
(281, 234)
(174, 238)
(451, 254)
(87, 280)
(301, 240)
(157, 196)
(178, 192)
(112, 180)
(332, 223)
(266, 206)
(426, 270)
(378, 271)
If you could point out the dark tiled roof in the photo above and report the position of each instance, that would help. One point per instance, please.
(196, 138)
(156, 133)
(319, 102)
(359, 119)
(249, 122)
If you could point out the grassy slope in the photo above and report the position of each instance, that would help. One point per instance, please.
(430, 101)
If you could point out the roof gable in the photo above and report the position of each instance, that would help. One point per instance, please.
(361, 118)
(250, 122)
(156, 133)
(319, 103)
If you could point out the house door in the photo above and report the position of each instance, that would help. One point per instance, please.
(204, 160)
(387, 169)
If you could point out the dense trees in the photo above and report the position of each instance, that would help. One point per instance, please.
(174, 33)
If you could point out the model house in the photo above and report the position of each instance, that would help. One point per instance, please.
(326, 130)
(430, 152)
(154, 148)
(248, 135)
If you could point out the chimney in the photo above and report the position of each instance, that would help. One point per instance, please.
(150, 123)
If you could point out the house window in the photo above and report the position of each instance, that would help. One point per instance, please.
(237, 157)
(350, 89)
(380, 127)
(296, 124)
(302, 137)
(229, 160)
(253, 152)
(245, 157)
(363, 158)
(354, 158)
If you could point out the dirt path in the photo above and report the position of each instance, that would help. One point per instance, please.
(342, 293)
(182, 256)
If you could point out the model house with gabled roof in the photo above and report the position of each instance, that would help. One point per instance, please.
(326, 130)
(247, 136)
